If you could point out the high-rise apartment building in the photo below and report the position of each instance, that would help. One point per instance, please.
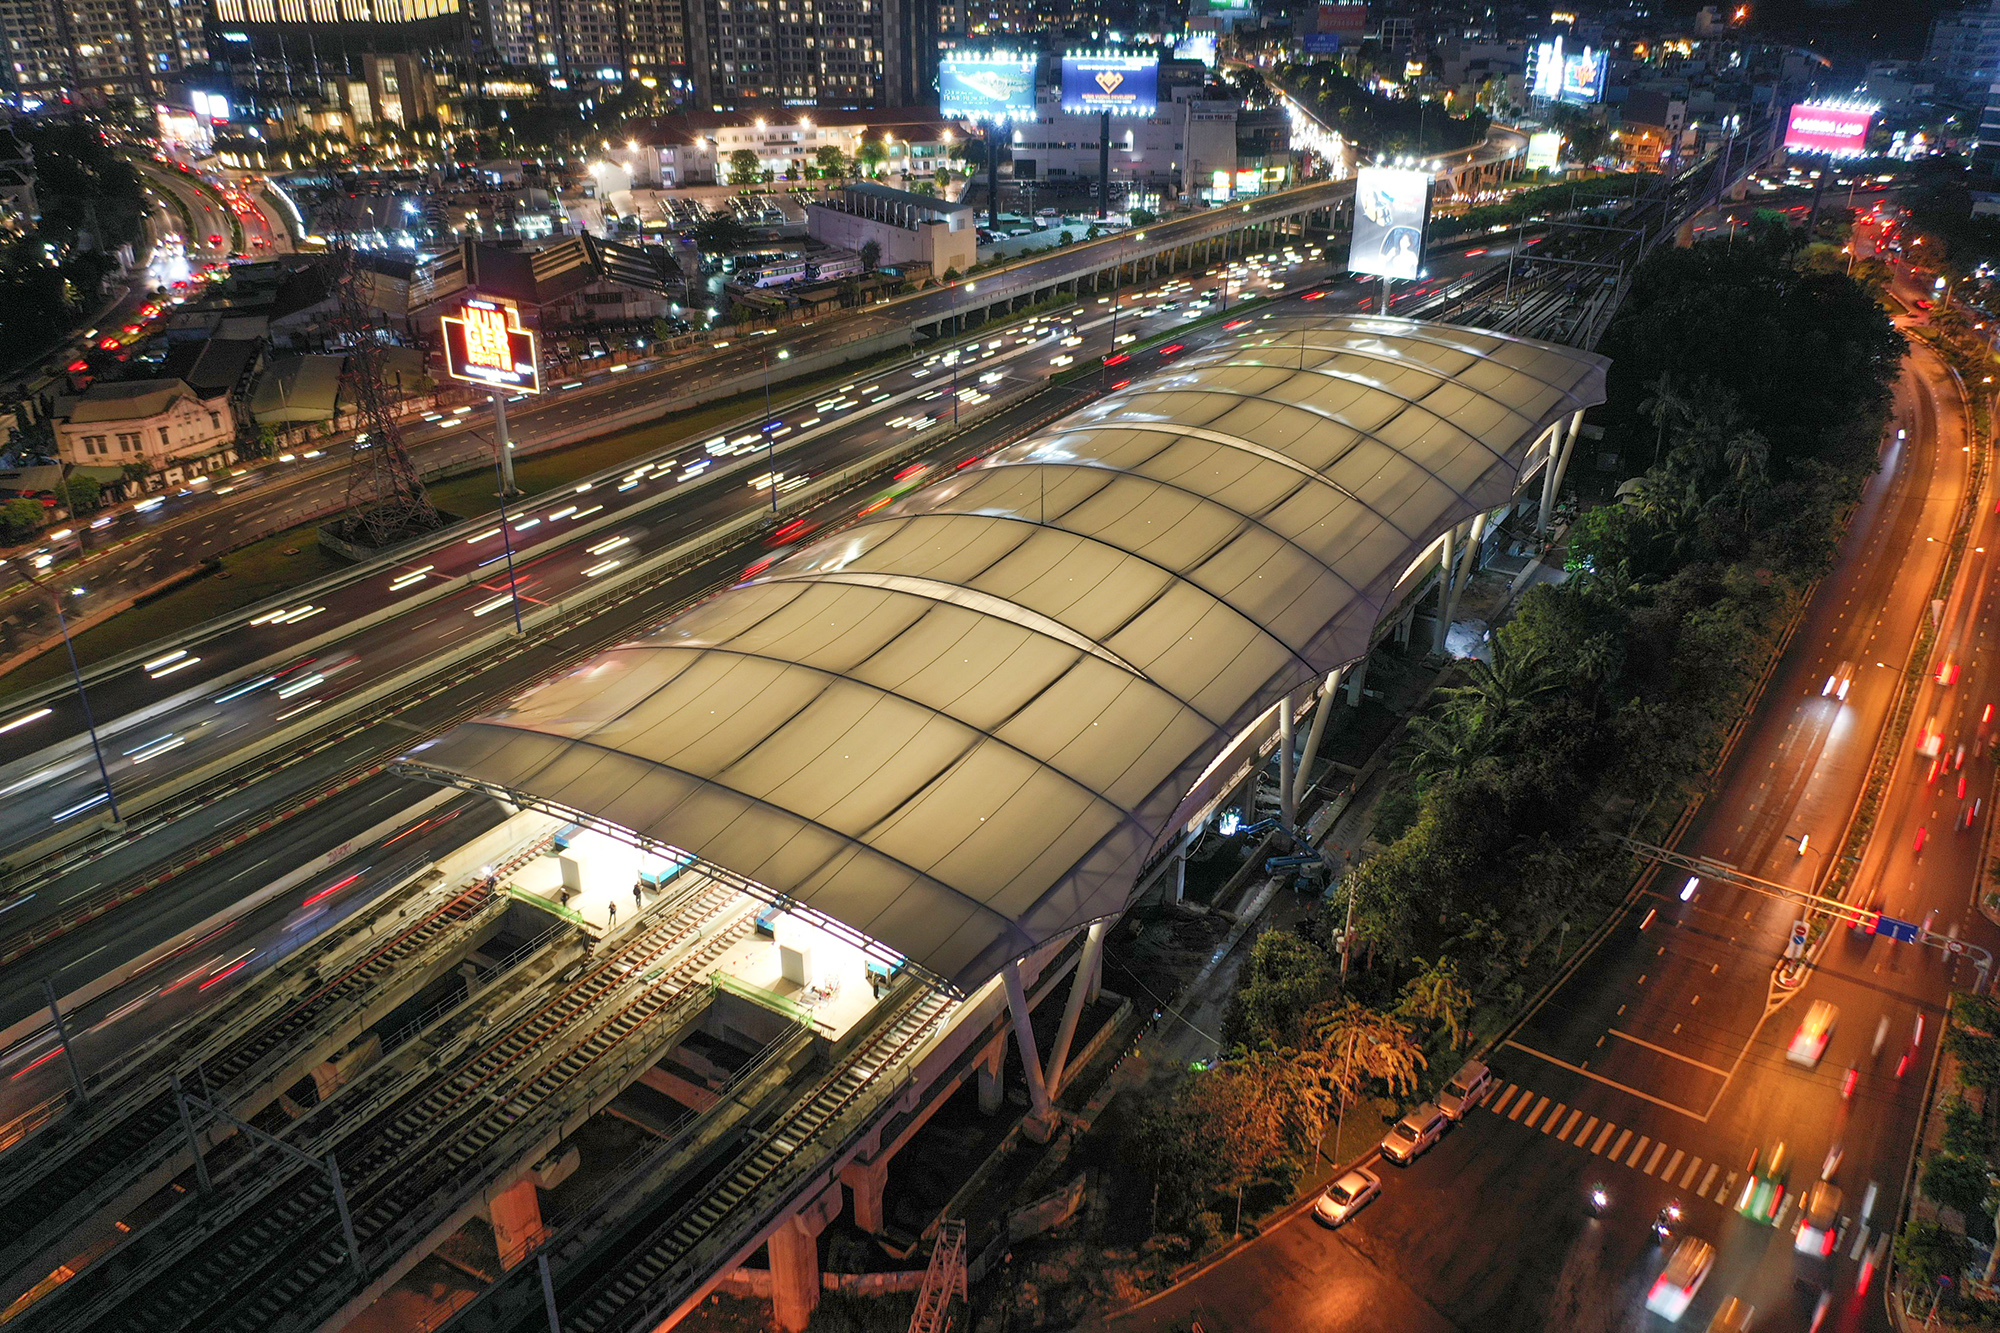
(98, 51)
(1963, 54)
(598, 39)
(811, 53)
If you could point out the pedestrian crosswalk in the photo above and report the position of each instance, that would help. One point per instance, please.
(1685, 1171)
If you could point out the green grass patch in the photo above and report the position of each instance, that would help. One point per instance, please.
(242, 578)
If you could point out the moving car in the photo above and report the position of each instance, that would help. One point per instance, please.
(1764, 1191)
(1470, 1086)
(1676, 1286)
(1817, 1229)
(1809, 1042)
(1733, 1316)
(1838, 683)
(1413, 1135)
(1346, 1196)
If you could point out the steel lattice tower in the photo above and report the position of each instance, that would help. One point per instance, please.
(386, 500)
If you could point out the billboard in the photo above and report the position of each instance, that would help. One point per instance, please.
(1569, 76)
(1229, 8)
(1544, 150)
(1121, 85)
(485, 344)
(1392, 206)
(987, 88)
(1347, 20)
(1322, 43)
(1836, 128)
(1197, 46)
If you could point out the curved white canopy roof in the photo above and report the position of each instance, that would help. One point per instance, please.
(962, 724)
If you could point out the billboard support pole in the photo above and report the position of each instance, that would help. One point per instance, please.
(1103, 165)
(1819, 188)
(504, 467)
(993, 175)
(502, 443)
(1385, 294)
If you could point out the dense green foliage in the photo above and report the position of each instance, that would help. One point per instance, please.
(1764, 389)
(91, 204)
(1383, 124)
(1544, 202)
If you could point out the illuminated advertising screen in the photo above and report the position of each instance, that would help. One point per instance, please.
(987, 88)
(1197, 46)
(1347, 20)
(1321, 43)
(1544, 150)
(1583, 77)
(1548, 69)
(1825, 127)
(1392, 206)
(1122, 85)
(1229, 8)
(485, 344)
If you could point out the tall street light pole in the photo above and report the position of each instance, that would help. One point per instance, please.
(770, 440)
(76, 674)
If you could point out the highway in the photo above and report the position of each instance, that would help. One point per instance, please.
(341, 765)
(1658, 1068)
(173, 537)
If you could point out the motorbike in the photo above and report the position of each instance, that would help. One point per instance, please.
(1599, 1200)
(1668, 1219)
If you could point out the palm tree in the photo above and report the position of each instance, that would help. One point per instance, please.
(1667, 404)
(1436, 995)
(1495, 691)
(1358, 1045)
(1448, 740)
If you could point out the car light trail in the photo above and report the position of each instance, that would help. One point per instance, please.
(79, 807)
(300, 686)
(609, 544)
(166, 671)
(603, 568)
(490, 532)
(25, 719)
(242, 690)
(328, 892)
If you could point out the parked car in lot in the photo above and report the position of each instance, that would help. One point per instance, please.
(1413, 1135)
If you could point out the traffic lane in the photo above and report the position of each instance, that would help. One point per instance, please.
(209, 971)
(199, 728)
(202, 727)
(502, 675)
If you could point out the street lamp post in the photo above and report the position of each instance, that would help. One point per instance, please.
(76, 674)
(770, 440)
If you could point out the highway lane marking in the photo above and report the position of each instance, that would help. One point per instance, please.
(1641, 1041)
(1619, 1146)
(1638, 1148)
(1532, 1115)
(1693, 1167)
(1668, 1174)
(1714, 1168)
(1701, 1116)
(1602, 1135)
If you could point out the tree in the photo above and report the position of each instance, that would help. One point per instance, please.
(832, 163)
(1978, 1055)
(950, 275)
(744, 168)
(1957, 1182)
(21, 519)
(1143, 217)
(871, 256)
(722, 235)
(1361, 1046)
(1437, 996)
(943, 177)
(872, 156)
(1285, 976)
(1965, 1128)
(663, 329)
(1927, 1251)
(81, 494)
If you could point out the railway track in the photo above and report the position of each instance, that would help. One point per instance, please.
(271, 1240)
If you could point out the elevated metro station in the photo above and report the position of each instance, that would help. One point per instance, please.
(740, 905)
(946, 745)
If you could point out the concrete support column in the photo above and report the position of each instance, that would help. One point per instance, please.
(1304, 781)
(993, 1080)
(1552, 473)
(1444, 593)
(1287, 809)
(794, 1253)
(1468, 565)
(1357, 676)
(865, 1183)
(517, 1222)
(1040, 1122)
(1079, 989)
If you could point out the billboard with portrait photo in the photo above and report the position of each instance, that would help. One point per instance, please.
(1392, 207)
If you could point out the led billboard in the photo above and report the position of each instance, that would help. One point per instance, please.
(1197, 46)
(1838, 129)
(1392, 206)
(1569, 76)
(1122, 85)
(1321, 43)
(1544, 150)
(485, 344)
(987, 88)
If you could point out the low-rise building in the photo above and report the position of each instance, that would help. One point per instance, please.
(912, 231)
(695, 148)
(160, 423)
